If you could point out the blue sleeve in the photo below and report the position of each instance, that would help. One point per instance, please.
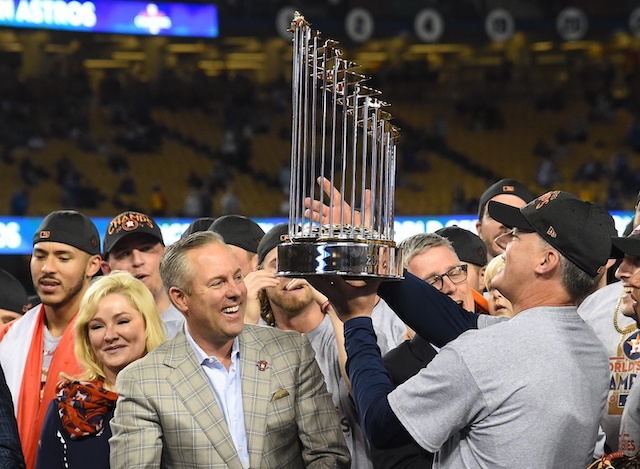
(432, 314)
(370, 385)
(10, 449)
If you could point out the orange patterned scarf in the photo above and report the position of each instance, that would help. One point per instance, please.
(83, 405)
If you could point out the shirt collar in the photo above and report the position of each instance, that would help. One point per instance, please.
(201, 355)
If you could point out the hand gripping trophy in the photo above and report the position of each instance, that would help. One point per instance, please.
(343, 162)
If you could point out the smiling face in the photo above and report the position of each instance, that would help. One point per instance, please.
(629, 273)
(290, 296)
(437, 260)
(214, 307)
(116, 334)
(140, 255)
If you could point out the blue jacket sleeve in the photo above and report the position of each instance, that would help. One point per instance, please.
(432, 314)
(370, 384)
(10, 450)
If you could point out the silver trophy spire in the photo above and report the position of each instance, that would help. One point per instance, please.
(343, 158)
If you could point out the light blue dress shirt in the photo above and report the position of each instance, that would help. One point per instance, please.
(227, 388)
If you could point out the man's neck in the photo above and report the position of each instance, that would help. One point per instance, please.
(221, 350)
(58, 318)
(303, 321)
(162, 302)
(548, 295)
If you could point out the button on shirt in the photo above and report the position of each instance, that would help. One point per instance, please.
(226, 386)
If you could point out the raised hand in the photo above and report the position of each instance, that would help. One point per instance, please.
(350, 298)
(255, 282)
(320, 212)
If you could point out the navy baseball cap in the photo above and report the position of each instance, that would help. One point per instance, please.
(69, 227)
(467, 245)
(504, 186)
(579, 230)
(239, 231)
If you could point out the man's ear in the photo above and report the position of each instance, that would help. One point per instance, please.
(106, 269)
(549, 260)
(179, 299)
(93, 265)
(481, 272)
(479, 228)
(610, 263)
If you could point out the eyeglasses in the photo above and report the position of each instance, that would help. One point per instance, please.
(457, 275)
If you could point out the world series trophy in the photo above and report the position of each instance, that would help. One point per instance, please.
(343, 163)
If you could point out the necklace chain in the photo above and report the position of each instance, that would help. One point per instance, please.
(627, 330)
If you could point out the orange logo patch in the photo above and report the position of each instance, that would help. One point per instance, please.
(45, 234)
(284, 237)
(544, 199)
(551, 232)
(508, 189)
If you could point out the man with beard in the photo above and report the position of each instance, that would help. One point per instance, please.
(37, 347)
(292, 304)
(506, 191)
(133, 243)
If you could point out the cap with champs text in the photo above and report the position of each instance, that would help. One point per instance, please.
(69, 227)
(128, 223)
(579, 230)
(504, 186)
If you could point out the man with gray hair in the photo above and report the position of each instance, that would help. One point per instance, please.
(222, 393)
(532, 388)
(430, 257)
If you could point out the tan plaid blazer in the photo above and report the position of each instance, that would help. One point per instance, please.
(167, 416)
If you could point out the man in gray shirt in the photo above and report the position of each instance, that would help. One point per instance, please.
(524, 392)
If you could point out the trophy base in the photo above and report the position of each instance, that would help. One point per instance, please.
(350, 259)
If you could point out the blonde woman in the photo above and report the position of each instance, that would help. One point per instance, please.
(117, 324)
(498, 304)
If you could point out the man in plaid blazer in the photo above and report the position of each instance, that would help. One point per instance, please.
(221, 394)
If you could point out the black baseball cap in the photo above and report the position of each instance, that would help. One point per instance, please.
(128, 223)
(275, 236)
(239, 231)
(13, 296)
(504, 186)
(626, 245)
(467, 245)
(579, 230)
(199, 224)
(69, 227)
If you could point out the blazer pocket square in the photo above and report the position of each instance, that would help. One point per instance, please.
(279, 394)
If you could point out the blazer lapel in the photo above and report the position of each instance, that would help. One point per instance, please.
(193, 388)
(256, 387)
